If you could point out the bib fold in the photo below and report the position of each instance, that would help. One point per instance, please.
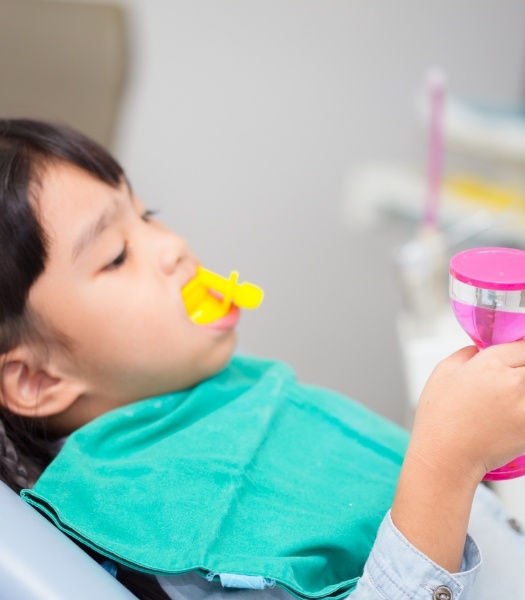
(249, 474)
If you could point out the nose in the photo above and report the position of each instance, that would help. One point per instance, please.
(173, 248)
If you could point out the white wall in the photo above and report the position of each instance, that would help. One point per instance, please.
(242, 121)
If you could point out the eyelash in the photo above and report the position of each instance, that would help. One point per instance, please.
(124, 255)
(120, 259)
(148, 214)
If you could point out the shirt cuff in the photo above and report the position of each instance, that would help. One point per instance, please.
(397, 570)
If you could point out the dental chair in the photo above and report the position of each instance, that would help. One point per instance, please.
(66, 62)
(38, 562)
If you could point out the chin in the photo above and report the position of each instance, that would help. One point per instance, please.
(222, 358)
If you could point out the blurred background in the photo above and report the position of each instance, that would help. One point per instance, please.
(287, 139)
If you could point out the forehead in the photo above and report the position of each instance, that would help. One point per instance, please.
(69, 199)
(68, 193)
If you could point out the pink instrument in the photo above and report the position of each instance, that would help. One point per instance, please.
(487, 291)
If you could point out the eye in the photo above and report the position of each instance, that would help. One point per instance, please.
(119, 260)
(148, 214)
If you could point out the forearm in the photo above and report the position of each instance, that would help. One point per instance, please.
(432, 508)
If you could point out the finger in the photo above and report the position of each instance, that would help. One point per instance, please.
(512, 354)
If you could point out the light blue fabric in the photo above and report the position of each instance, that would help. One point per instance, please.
(398, 571)
(248, 582)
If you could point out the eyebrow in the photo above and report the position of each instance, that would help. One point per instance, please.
(93, 230)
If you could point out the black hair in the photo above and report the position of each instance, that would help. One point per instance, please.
(27, 147)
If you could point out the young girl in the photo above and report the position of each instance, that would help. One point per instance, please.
(97, 347)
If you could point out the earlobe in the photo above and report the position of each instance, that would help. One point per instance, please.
(31, 389)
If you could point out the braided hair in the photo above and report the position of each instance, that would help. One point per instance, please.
(11, 469)
(26, 148)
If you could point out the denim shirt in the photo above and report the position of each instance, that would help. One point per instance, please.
(395, 570)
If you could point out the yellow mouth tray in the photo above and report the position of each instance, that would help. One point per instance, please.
(208, 296)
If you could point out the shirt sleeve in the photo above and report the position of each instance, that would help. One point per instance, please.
(396, 570)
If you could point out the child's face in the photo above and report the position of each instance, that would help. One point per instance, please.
(112, 285)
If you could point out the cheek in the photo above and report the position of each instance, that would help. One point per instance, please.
(138, 327)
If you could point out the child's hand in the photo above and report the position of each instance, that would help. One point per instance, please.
(471, 415)
(470, 420)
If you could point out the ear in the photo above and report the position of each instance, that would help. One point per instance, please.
(32, 387)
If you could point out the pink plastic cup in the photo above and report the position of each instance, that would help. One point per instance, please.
(487, 292)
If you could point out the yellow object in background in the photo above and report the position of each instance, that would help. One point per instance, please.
(208, 296)
(487, 195)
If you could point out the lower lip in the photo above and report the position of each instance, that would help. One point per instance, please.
(227, 322)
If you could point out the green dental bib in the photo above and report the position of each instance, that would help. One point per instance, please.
(248, 473)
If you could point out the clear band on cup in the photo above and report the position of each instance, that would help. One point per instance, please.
(509, 301)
